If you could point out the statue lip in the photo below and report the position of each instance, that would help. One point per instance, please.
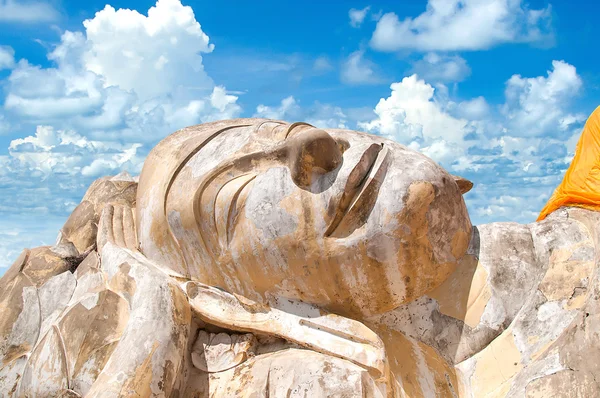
(360, 193)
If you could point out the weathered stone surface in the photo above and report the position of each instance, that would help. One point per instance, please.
(19, 329)
(46, 372)
(298, 322)
(54, 296)
(288, 373)
(44, 262)
(216, 352)
(261, 258)
(81, 227)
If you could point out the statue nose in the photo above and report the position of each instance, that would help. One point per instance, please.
(312, 153)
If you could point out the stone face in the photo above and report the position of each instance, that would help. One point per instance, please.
(267, 213)
(261, 258)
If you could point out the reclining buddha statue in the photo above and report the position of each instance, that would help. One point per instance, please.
(258, 258)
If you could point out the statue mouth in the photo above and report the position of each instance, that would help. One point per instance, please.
(360, 193)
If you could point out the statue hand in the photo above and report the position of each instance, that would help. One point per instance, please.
(117, 226)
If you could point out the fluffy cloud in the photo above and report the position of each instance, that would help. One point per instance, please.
(322, 64)
(473, 109)
(525, 142)
(131, 50)
(28, 12)
(47, 94)
(66, 152)
(357, 16)
(326, 116)
(4, 125)
(358, 70)
(536, 105)
(288, 107)
(7, 57)
(224, 106)
(442, 68)
(463, 25)
(411, 113)
(320, 115)
(124, 71)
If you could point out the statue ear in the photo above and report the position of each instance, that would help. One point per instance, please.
(463, 184)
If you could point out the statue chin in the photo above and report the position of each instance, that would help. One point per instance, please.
(259, 257)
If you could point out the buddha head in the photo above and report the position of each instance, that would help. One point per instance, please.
(349, 221)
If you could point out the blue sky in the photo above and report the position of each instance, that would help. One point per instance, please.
(496, 91)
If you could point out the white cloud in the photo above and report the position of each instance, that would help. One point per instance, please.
(26, 11)
(474, 109)
(104, 165)
(326, 116)
(288, 108)
(7, 57)
(450, 25)
(411, 113)
(66, 152)
(442, 151)
(536, 105)
(322, 64)
(130, 50)
(442, 68)
(320, 115)
(224, 103)
(39, 93)
(101, 87)
(357, 16)
(358, 70)
(4, 125)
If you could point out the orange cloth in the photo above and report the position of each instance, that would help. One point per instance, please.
(581, 185)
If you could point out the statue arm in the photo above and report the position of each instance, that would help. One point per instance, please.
(148, 357)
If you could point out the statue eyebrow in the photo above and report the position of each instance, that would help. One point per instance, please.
(265, 122)
(294, 125)
(259, 125)
(289, 130)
